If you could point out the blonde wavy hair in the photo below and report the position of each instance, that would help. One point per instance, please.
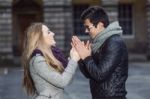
(34, 40)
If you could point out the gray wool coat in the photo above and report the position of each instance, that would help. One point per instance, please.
(49, 83)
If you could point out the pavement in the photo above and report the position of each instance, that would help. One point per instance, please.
(138, 83)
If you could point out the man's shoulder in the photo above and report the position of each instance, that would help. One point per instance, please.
(114, 39)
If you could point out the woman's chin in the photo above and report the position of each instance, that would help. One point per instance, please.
(54, 43)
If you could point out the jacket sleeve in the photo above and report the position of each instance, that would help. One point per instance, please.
(51, 76)
(111, 58)
(83, 69)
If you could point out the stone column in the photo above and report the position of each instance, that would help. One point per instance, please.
(111, 9)
(148, 28)
(5, 30)
(58, 16)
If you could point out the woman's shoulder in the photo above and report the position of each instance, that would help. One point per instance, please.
(37, 56)
(36, 52)
(38, 61)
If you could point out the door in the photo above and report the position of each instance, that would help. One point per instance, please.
(25, 12)
(24, 20)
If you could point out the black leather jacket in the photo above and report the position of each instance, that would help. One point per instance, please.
(107, 69)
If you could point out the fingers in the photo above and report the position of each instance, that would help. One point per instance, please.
(76, 39)
(83, 43)
(87, 44)
(89, 47)
(72, 45)
(78, 44)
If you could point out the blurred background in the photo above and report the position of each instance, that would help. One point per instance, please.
(63, 18)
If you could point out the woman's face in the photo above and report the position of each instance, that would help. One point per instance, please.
(48, 36)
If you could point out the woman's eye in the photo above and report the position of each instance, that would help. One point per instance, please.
(49, 32)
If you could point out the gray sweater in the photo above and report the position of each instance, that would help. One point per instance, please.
(49, 83)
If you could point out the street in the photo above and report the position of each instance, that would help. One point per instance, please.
(138, 83)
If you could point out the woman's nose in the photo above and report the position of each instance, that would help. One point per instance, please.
(52, 33)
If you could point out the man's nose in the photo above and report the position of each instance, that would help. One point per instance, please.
(86, 30)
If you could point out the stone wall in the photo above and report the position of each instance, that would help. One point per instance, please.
(148, 28)
(5, 29)
(111, 9)
(139, 36)
(58, 16)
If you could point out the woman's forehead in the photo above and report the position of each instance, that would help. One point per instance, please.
(45, 27)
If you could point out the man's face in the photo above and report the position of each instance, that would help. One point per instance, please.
(91, 29)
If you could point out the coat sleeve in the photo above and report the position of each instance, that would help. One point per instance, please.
(110, 60)
(83, 69)
(51, 76)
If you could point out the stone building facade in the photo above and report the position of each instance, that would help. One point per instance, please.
(148, 27)
(62, 17)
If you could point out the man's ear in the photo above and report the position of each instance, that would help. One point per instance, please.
(100, 24)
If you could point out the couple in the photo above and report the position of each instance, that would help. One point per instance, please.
(104, 61)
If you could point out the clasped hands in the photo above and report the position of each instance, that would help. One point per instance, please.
(82, 49)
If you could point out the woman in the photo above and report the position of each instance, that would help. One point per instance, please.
(44, 75)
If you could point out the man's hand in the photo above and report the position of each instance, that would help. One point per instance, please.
(84, 50)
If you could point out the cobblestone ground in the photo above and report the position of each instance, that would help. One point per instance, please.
(138, 84)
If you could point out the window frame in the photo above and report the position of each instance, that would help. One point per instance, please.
(132, 35)
(80, 31)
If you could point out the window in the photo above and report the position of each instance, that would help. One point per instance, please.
(78, 25)
(125, 18)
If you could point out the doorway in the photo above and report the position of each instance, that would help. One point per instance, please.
(24, 13)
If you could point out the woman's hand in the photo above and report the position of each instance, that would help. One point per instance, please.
(74, 54)
(83, 49)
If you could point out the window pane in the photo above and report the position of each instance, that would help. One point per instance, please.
(78, 25)
(125, 18)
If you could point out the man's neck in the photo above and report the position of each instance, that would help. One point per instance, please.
(102, 29)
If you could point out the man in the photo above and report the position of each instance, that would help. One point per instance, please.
(105, 61)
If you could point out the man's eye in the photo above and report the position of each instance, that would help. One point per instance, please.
(86, 26)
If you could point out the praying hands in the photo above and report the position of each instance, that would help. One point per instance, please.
(83, 49)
